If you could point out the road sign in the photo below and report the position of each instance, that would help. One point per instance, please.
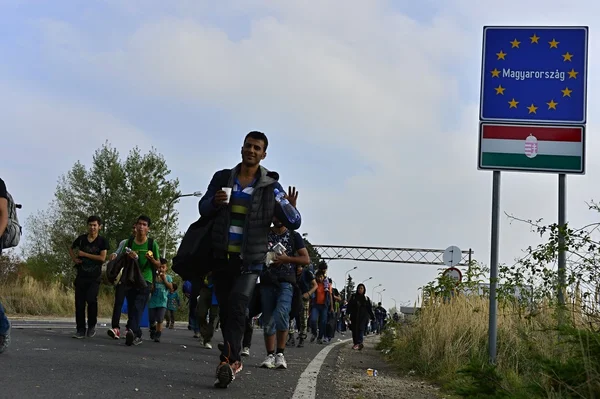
(534, 74)
(452, 256)
(532, 148)
(453, 273)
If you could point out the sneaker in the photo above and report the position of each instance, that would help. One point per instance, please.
(360, 347)
(5, 339)
(245, 351)
(291, 342)
(91, 332)
(355, 347)
(300, 343)
(138, 341)
(313, 337)
(156, 338)
(280, 362)
(129, 338)
(79, 334)
(224, 375)
(269, 362)
(237, 367)
(114, 333)
(171, 326)
(152, 334)
(207, 345)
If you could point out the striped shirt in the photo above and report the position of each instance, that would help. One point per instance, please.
(240, 202)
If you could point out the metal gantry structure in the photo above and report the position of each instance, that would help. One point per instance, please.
(416, 256)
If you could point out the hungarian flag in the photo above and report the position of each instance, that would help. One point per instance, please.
(536, 148)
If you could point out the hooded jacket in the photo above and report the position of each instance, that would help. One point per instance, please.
(258, 221)
(360, 310)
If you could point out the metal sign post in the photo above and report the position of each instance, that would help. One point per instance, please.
(533, 110)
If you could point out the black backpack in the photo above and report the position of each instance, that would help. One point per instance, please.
(297, 304)
(13, 232)
(194, 256)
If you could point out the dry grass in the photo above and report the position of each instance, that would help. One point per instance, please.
(27, 296)
(446, 337)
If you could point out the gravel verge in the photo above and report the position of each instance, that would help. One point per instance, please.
(352, 381)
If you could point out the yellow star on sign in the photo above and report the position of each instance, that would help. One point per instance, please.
(572, 74)
(513, 103)
(495, 73)
(566, 92)
(567, 57)
(553, 43)
(534, 39)
(515, 43)
(501, 55)
(552, 104)
(500, 90)
(532, 109)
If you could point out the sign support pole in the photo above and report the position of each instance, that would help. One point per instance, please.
(493, 326)
(562, 256)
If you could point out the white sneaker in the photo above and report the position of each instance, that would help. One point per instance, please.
(269, 362)
(280, 362)
(245, 351)
(207, 345)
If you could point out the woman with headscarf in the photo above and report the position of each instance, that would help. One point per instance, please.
(360, 311)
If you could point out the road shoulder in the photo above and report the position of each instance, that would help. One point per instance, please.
(347, 377)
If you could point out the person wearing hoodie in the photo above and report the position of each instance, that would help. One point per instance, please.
(360, 311)
(242, 202)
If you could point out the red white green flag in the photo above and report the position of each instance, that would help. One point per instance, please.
(535, 148)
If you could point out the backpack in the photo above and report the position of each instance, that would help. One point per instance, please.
(297, 303)
(194, 256)
(13, 232)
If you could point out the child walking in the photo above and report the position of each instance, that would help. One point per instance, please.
(157, 307)
(173, 304)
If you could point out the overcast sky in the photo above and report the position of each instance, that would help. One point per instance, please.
(371, 108)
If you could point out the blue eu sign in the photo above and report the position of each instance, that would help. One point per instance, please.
(534, 74)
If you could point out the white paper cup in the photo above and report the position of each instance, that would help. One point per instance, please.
(228, 191)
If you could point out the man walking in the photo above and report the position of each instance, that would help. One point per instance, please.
(146, 251)
(277, 290)
(4, 323)
(91, 253)
(242, 218)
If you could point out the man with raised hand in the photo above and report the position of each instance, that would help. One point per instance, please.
(242, 201)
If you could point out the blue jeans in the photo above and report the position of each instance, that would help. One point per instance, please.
(276, 306)
(137, 299)
(318, 312)
(4, 324)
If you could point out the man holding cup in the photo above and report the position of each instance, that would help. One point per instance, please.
(242, 202)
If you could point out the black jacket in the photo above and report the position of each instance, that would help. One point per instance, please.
(132, 274)
(360, 311)
(258, 221)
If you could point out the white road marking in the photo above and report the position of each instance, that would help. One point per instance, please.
(307, 384)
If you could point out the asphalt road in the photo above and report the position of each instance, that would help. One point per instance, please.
(44, 361)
